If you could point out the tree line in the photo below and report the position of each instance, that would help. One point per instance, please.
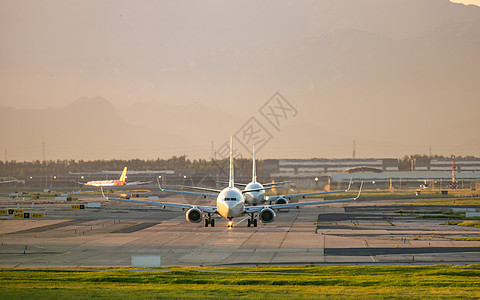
(21, 170)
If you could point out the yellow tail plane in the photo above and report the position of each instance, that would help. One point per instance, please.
(124, 175)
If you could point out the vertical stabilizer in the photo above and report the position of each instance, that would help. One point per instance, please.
(230, 181)
(254, 168)
(124, 174)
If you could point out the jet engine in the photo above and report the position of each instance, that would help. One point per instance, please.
(266, 215)
(281, 200)
(194, 215)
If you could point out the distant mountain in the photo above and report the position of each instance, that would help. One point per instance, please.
(84, 129)
(399, 77)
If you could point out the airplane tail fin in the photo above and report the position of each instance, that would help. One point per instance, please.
(124, 174)
(231, 183)
(254, 168)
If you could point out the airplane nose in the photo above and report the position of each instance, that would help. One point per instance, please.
(231, 205)
(234, 208)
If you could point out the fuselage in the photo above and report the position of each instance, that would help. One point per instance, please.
(105, 183)
(230, 203)
(256, 197)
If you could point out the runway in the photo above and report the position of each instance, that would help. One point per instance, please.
(353, 233)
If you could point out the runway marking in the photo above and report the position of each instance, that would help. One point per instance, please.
(124, 227)
(135, 227)
(215, 236)
(50, 227)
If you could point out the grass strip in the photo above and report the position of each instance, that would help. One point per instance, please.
(359, 282)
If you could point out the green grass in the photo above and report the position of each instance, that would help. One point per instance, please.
(439, 214)
(453, 201)
(356, 282)
(470, 224)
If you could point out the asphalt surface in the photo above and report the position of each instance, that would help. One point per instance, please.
(341, 234)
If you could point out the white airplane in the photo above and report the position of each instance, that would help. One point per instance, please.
(258, 197)
(254, 191)
(230, 204)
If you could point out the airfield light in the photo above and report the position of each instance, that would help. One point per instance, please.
(54, 177)
(316, 179)
(184, 176)
(160, 176)
(31, 177)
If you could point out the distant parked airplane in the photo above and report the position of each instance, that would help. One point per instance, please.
(8, 181)
(119, 182)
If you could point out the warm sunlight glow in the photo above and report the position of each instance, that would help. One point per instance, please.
(467, 2)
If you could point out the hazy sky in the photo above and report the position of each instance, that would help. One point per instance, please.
(467, 2)
(53, 52)
(234, 55)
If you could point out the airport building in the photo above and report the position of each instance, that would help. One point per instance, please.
(376, 173)
(445, 164)
(280, 167)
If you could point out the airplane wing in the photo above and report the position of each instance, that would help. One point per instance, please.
(273, 198)
(202, 188)
(189, 193)
(251, 209)
(258, 208)
(204, 195)
(8, 181)
(276, 184)
(236, 184)
(208, 209)
(257, 190)
(138, 182)
(272, 185)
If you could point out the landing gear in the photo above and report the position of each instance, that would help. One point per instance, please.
(209, 220)
(230, 223)
(252, 221)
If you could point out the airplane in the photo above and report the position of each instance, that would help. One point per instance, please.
(230, 204)
(9, 181)
(254, 191)
(119, 182)
(258, 196)
(102, 183)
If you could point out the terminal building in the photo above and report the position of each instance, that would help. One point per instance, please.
(376, 173)
(445, 164)
(281, 167)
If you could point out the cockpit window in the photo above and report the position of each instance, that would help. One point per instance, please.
(230, 199)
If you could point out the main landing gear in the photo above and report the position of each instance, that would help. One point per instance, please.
(252, 221)
(209, 220)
